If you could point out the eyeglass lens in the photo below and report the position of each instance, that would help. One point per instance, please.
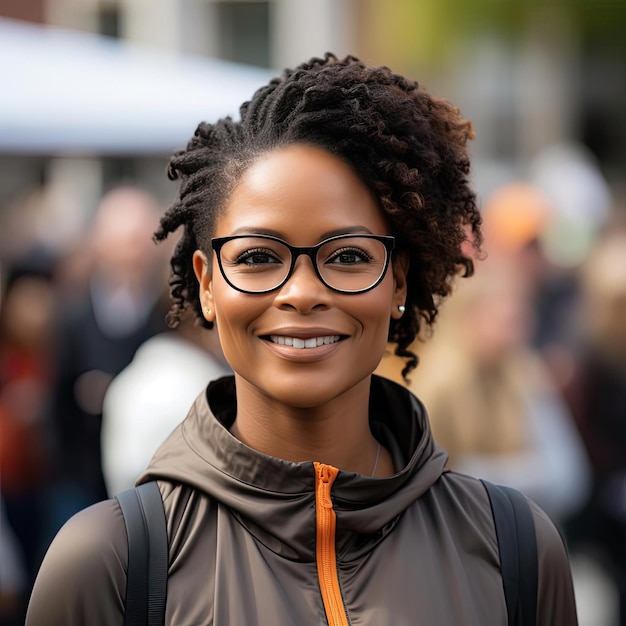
(348, 264)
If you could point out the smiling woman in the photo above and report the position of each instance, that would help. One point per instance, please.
(331, 219)
(301, 291)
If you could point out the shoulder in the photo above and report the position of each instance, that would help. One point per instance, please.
(82, 578)
(470, 494)
(550, 545)
(466, 491)
(555, 591)
(90, 537)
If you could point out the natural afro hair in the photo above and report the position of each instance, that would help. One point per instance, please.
(408, 146)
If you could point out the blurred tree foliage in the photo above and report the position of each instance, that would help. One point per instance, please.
(429, 30)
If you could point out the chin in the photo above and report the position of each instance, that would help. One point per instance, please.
(310, 391)
(303, 396)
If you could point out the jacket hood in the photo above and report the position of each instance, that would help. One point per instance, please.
(275, 499)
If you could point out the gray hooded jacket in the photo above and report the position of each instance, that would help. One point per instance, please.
(258, 540)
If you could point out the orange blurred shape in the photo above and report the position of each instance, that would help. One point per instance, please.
(514, 216)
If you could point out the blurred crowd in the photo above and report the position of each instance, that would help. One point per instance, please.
(72, 320)
(524, 378)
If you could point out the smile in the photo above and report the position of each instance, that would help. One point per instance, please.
(312, 342)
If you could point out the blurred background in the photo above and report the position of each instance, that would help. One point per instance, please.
(525, 377)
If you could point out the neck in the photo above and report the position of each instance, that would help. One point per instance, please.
(336, 433)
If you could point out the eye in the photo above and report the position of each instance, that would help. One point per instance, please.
(257, 257)
(349, 256)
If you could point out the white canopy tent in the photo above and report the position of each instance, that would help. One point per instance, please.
(64, 92)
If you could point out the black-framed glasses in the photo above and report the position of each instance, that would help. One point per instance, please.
(257, 264)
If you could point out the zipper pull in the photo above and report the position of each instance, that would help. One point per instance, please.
(326, 475)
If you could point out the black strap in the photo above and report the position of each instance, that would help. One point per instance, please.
(517, 544)
(146, 580)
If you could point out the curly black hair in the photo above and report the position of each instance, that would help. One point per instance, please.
(408, 146)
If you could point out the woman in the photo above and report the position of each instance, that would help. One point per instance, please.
(303, 490)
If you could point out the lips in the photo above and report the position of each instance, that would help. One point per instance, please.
(298, 342)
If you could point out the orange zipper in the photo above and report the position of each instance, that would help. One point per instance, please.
(325, 546)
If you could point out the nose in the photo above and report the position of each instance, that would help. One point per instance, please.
(304, 291)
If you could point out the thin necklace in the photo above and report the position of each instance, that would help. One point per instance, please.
(376, 461)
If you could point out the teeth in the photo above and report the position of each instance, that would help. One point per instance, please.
(296, 342)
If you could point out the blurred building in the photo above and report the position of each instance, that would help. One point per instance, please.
(258, 33)
(528, 74)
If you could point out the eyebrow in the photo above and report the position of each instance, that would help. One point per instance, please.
(346, 230)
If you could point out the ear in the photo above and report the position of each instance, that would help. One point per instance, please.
(400, 267)
(202, 270)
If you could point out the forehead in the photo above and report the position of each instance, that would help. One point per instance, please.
(300, 192)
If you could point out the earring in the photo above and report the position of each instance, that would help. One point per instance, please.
(401, 308)
(207, 310)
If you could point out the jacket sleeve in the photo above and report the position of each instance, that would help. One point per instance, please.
(555, 592)
(82, 579)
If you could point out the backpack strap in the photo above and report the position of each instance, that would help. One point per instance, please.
(517, 545)
(146, 580)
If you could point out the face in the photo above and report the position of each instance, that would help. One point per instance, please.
(302, 195)
(121, 238)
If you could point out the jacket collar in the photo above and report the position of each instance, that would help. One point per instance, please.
(274, 498)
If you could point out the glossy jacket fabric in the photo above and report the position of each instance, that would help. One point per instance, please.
(418, 547)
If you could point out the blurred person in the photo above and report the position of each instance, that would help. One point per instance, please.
(523, 220)
(515, 217)
(519, 221)
(27, 355)
(596, 394)
(140, 410)
(14, 585)
(116, 309)
(490, 397)
(569, 174)
(328, 220)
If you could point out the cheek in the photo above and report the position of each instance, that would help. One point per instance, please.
(374, 314)
(375, 319)
(235, 312)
